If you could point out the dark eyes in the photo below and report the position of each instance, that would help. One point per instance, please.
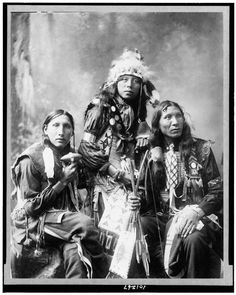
(134, 80)
(68, 126)
(177, 116)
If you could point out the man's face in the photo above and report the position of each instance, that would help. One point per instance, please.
(171, 122)
(128, 87)
(59, 130)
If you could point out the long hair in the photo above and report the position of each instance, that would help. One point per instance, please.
(108, 93)
(185, 141)
(52, 116)
(138, 104)
(130, 62)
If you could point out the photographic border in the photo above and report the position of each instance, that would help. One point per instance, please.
(101, 285)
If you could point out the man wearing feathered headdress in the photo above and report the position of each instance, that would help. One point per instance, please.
(116, 134)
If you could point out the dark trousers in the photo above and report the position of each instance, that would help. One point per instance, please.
(195, 254)
(200, 259)
(74, 267)
(151, 227)
(75, 227)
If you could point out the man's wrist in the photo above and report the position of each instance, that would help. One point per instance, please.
(59, 186)
(200, 213)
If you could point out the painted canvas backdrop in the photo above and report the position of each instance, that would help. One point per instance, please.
(66, 57)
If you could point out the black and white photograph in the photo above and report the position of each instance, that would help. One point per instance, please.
(118, 147)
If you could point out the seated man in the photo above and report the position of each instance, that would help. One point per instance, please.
(191, 196)
(47, 212)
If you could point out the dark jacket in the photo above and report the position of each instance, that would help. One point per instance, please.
(99, 116)
(36, 193)
(210, 200)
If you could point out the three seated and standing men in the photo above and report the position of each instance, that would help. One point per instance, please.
(174, 191)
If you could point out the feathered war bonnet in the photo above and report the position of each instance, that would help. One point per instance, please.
(132, 63)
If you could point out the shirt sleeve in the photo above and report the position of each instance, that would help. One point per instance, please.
(93, 157)
(213, 185)
(29, 180)
(95, 124)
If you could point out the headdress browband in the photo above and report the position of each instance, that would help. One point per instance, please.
(129, 63)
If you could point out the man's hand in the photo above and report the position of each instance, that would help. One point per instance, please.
(134, 202)
(142, 142)
(69, 172)
(188, 220)
(71, 157)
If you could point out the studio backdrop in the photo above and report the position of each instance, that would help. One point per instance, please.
(58, 57)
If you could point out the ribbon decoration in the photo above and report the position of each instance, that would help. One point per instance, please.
(48, 159)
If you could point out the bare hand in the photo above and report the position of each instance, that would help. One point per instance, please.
(142, 142)
(71, 157)
(134, 202)
(188, 220)
(69, 172)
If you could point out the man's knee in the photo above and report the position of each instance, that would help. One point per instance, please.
(86, 225)
(68, 247)
(69, 251)
(72, 262)
(195, 239)
(86, 221)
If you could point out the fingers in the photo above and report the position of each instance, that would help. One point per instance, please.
(188, 229)
(185, 228)
(70, 171)
(72, 165)
(192, 229)
(188, 222)
(142, 142)
(71, 157)
(134, 202)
